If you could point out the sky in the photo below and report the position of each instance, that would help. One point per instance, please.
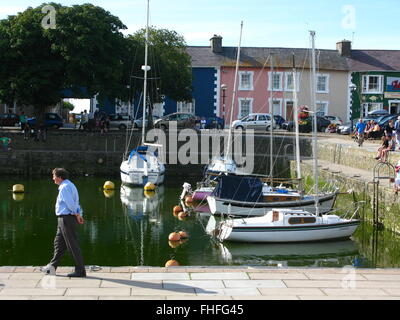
(369, 24)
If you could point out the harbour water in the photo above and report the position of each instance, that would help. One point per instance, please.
(128, 227)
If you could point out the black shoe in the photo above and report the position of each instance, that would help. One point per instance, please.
(77, 274)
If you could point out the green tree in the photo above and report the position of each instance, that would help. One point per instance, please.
(170, 73)
(83, 51)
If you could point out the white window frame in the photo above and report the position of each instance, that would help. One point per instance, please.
(278, 73)
(374, 106)
(326, 76)
(240, 100)
(271, 107)
(365, 83)
(186, 107)
(251, 74)
(326, 107)
(286, 88)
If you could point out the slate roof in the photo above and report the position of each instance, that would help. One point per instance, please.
(360, 60)
(374, 60)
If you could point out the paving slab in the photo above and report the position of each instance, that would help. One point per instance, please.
(219, 275)
(205, 283)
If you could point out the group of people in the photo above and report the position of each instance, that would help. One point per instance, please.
(93, 121)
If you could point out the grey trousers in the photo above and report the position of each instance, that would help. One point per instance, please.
(66, 238)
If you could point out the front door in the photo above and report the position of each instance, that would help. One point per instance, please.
(394, 106)
(289, 111)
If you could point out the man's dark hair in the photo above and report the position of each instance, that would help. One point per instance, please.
(61, 173)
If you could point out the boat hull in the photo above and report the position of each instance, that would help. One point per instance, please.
(321, 232)
(249, 209)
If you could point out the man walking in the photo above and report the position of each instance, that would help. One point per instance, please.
(397, 131)
(360, 128)
(69, 214)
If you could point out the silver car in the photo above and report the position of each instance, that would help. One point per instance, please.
(256, 121)
(138, 123)
(122, 122)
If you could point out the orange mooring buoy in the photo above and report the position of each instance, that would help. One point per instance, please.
(174, 236)
(172, 263)
(177, 209)
(183, 234)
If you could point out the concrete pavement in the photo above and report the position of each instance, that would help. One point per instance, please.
(202, 283)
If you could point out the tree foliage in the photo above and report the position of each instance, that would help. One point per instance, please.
(86, 49)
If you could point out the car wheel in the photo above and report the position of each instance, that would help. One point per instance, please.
(163, 127)
(122, 127)
(268, 128)
(239, 128)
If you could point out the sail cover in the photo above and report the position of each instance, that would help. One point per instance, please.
(238, 188)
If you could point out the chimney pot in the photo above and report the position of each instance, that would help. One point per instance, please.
(216, 44)
(344, 48)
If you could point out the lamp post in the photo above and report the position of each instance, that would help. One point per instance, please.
(352, 88)
(223, 87)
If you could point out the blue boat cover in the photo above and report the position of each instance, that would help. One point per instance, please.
(141, 151)
(239, 188)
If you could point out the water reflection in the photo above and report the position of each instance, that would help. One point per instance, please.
(332, 254)
(138, 203)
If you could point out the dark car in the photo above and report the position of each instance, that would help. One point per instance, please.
(212, 123)
(9, 120)
(322, 124)
(279, 120)
(182, 120)
(51, 120)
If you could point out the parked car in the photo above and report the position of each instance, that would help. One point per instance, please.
(51, 120)
(256, 121)
(322, 124)
(138, 123)
(345, 128)
(183, 120)
(9, 120)
(377, 113)
(334, 119)
(122, 122)
(279, 120)
(212, 123)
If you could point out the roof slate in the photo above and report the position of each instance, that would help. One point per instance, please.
(360, 60)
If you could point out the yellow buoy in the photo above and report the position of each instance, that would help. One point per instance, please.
(177, 209)
(172, 263)
(149, 194)
(109, 185)
(149, 186)
(108, 193)
(182, 215)
(18, 196)
(174, 244)
(18, 188)
(183, 234)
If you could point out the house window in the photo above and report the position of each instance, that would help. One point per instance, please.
(275, 80)
(186, 107)
(289, 83)
(371, 106)
(246, 80)
(372, 84)
(322, 83)
(245, 107)
(322, 108)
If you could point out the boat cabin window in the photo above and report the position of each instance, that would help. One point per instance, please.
(275, 216)
(301, 220)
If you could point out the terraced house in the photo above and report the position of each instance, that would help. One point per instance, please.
(265, 80)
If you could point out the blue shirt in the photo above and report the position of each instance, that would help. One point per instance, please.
(361, 127)
(67, 199)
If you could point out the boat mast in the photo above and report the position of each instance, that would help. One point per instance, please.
(234, 94)
(271, 104)
(145, 68)
(314, 114)
(296, 120)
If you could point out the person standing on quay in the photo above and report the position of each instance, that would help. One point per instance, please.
(69, 215)
(360, 128)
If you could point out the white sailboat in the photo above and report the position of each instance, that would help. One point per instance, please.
(143, 165)
(289, 225)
